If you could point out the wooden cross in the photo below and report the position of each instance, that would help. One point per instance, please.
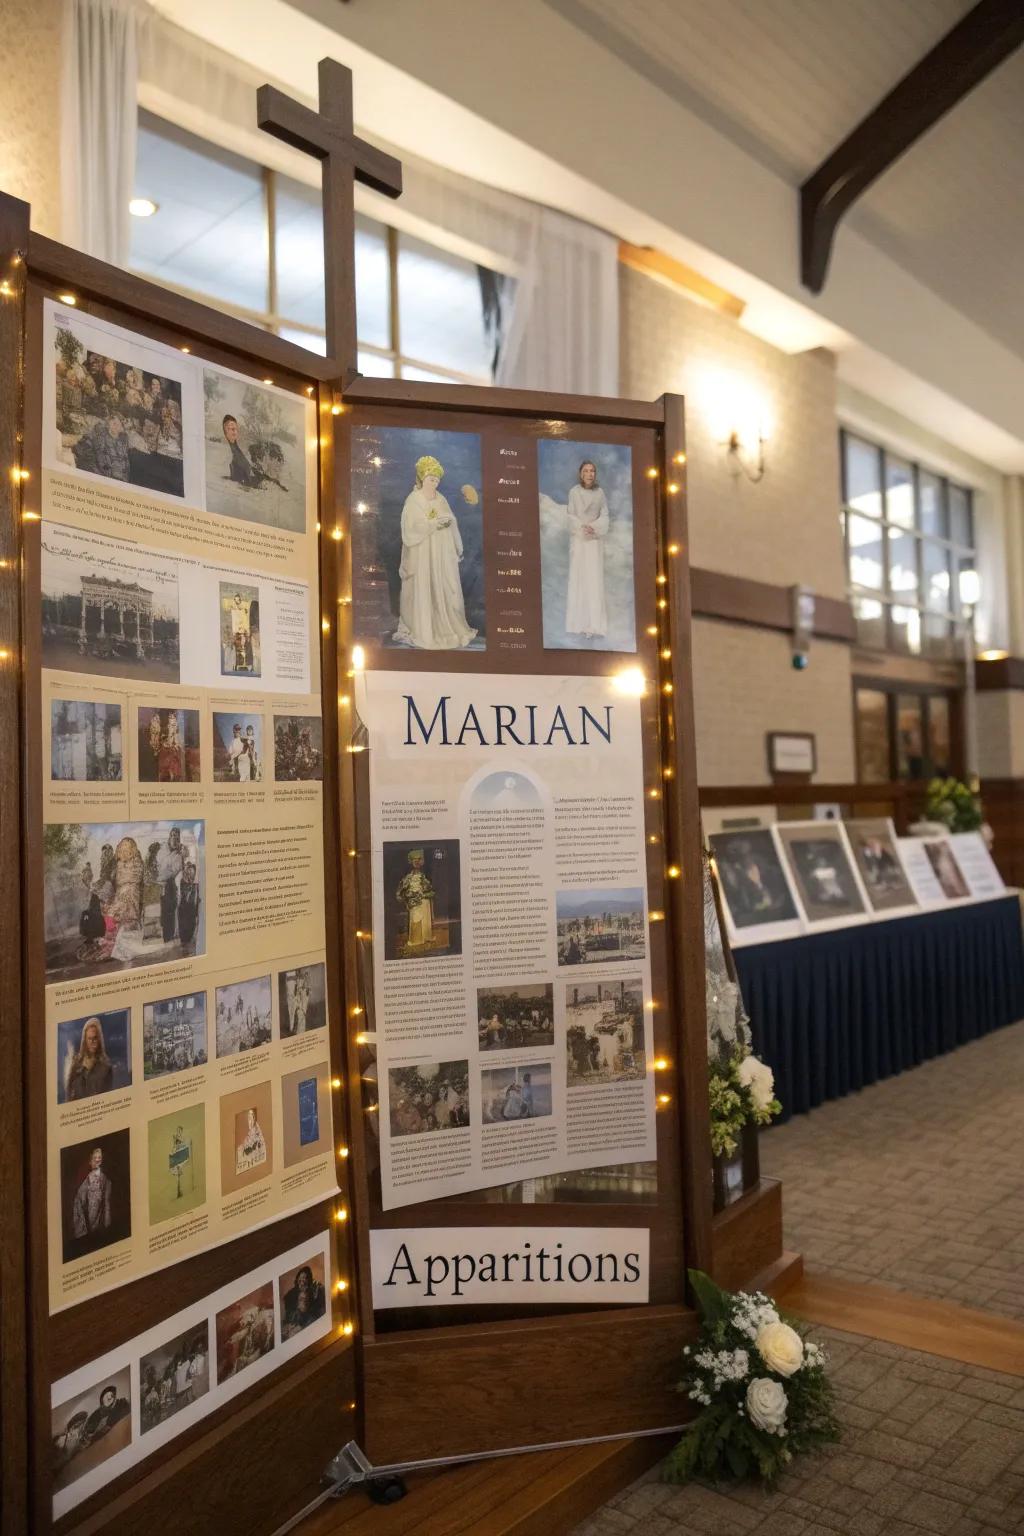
(329, 135)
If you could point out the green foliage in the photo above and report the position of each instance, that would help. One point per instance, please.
(954, 805)
(263, 419)
(64, 845)
(69, 346)
(723, 1443)
(733, 1104)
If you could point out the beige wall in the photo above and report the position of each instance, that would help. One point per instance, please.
(30, 108)
(784, 529)
(1000, 714)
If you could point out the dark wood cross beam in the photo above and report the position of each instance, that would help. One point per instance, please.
(329, 135)
(980, 41)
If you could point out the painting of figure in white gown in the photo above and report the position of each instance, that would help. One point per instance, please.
(586, 539)
(417, 533)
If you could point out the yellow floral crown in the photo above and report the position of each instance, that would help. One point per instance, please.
(428, 465)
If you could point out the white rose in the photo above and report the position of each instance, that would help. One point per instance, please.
(780, 1347)
(766, 1405)
(753, 1074)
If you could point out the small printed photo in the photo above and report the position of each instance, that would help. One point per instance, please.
(95, 1193)
(244, 1015)
(418, 538)
(298, 748)
(878, 861)
(604, 1034)
(302, 999)
(88, 1429)
(506, 792)
(174, 1034)
(255, 441)
(174, 1376)
(119, 895)
(107, 608)
(306, 1113)
(753, 880)
(245, 1332)
(431, 1096)
(94, 1055)
(85, 742)
(601, 925)
(237, 748)
(821, 868)
(169, 746)
(239, 630)
(947, 870)
(422, 900)
(303, 1295)
(511, 1018)
(116, 419)
(177, 1163)
(586, 544)
(246, 1137)
(515, 1093)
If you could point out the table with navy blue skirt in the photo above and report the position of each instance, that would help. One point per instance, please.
(833, 1012)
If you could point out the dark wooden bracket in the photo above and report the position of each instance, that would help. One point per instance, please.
(979, 42)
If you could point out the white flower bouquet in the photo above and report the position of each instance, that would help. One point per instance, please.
(760, 1388)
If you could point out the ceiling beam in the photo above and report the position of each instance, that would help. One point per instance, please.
(980, 41)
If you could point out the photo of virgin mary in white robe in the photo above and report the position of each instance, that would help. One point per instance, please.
(432, 613)
(588, 521)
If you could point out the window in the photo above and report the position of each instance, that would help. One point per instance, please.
(902, 732)
(909, 533)
(251, 239)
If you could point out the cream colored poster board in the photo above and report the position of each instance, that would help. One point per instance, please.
(188, 1080)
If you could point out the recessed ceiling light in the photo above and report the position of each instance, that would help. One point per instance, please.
(142, 207)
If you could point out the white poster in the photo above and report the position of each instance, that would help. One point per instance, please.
(512, 957)
(976, 865)
(933, 871)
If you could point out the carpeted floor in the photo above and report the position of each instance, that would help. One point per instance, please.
(928, 1446)
(916, 1182)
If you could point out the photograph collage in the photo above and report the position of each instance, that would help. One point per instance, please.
(182, 745)
(426, 528)
(114, 1412)
(166, 1108)
(781, 879)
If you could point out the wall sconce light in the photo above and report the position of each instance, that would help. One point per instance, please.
(740, 420)
(738, 459)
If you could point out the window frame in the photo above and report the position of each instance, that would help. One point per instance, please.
(894, 689)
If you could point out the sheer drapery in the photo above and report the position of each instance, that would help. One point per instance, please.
(98, 124)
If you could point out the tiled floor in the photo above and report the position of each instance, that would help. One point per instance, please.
(928, 1446)
(916, 1182)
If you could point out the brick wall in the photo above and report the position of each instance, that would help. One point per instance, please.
(30, 108)
(784, 529)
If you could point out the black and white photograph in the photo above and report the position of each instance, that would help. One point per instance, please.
(255, 443)
(418, 538)
(243, 1014)
(604, 1032)
(506, 792)
(108, 609)
(169, 745)
(302, 999)
(516, 1017)
(873, 842)
(947, 871)
(174, 1034)
(515, 1093)
(430, 1096)
(298, 748)
(116, 418)
(95, 1194)
(94, 1055)
(174, 1376)
(237, 747)
(123, 894)
(85, 743)
(822, 871)
(302, 1292)
(596, 926)
(586, 542)
(89, 1428)
(753, 881)
(422, 900)
(240, 630)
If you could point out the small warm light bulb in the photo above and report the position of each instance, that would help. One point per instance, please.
(310, 388)
(31, 517)
(664, 1098)
(349, 1328)
(336, 410)
(17, 475)
(666, 687)
(363, 1040)
(654, 794)
(343, 698)
(341, 1214)
(343, 1151)
(668, 772)
(186, 349)
(679, 458)
(352, 852)
(630, 681)
(358, 658)
(673, 549)
(652, 629)
(356, 1011)
(660, 1064)
(653, 838)
(666, 654)
(656, 917)
(652, 473)
(5, 654)
(268, 381)
(661, 578)
(672, 487)
(341, 1285)
(335, 1082)
(336, 533)
(6, 291)
(662, 602)
(673, 871)
(67, 298)
(325, 625)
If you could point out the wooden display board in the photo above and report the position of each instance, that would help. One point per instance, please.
(429, 1383)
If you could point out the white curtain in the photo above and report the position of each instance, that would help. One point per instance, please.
(98, 124)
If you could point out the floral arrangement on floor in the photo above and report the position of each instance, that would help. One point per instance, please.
(742, 1092)
(760, 1386)
(953, 805)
